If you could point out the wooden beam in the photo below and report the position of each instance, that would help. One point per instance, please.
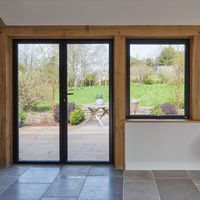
(2, 99)
(2, 24)
(195, 80)
(9, 102)
(5, 99)
(119, 100)
(102, 31)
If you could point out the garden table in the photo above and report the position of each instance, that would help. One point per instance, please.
(97, 112)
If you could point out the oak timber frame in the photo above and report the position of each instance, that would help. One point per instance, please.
(119, 34)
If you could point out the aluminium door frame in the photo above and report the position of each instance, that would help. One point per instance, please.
(63, 129)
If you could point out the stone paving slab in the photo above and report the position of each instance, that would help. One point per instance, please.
(86, 142)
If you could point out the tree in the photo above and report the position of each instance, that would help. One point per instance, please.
(90, 79)
(166, 57)
(38, 74)
(85, 59)
(179, 71)
(80, 59)
(30, 91)
(150, 62)
(140, 71)
(51, 74)
(30, 78)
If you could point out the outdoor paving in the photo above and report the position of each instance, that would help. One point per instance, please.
(85, 142)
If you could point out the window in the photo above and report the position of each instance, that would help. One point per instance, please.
(158, 78)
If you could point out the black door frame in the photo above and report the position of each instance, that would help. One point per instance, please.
(63, 130)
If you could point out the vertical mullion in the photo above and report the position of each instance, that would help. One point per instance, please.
(111, 103)
(63, 100)
(15, 104)
(187, 80)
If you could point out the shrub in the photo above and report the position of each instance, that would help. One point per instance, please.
(164, 109)
(76, 116)
(70, 107)
(99, 95)
(152, 80)
(157, 110)
(148, 81)
(174, 102)
(41, 107)
(22, 116)
(169, 109)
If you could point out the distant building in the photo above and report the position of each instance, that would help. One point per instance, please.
(164, 68)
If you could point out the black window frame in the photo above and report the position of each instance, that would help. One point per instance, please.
(160, 41)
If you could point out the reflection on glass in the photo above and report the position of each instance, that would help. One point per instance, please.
(38, 82)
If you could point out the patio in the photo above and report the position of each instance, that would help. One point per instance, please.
(85, 142)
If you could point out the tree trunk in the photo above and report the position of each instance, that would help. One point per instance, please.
(52, 100)
(178, 91)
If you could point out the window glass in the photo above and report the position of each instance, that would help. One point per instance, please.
(157, 76)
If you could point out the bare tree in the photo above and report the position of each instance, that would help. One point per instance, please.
(51, 74)
(85, 59)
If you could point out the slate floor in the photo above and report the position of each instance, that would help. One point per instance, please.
(97, 182)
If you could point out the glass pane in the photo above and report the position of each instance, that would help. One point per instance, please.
(38, 83)
(157, 79)
(88, 107)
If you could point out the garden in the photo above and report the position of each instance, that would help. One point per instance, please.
(156, 83)
(157, 80)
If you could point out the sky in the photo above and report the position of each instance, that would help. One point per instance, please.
(148, 51)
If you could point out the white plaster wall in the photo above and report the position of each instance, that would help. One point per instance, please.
(164, 146)
(100, 12)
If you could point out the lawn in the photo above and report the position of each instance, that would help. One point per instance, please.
(149, 95)
(86, 95)
(81, 96)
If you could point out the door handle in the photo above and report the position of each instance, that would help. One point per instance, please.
(70, 93)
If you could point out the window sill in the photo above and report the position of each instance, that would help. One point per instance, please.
(161, 121)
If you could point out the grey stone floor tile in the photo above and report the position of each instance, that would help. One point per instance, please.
(177, 189)
(79, 171)
(69, 187)
(6, 181)
(39, 175)
(105, 171)
(195, 176)
(58, 198)
(100, 198)
(140, 190)
(138, 175)
(15, 170)
(170, 174)
(102, 188)
(24, 192)
(59, 166)
(198, 186)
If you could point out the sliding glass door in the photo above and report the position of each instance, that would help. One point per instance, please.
(62, 101)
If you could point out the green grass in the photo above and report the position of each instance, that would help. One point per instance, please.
(149, 95)
(86, 95)
(81, 96)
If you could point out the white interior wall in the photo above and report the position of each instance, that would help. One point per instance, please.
(100, 12)
(164, 146)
